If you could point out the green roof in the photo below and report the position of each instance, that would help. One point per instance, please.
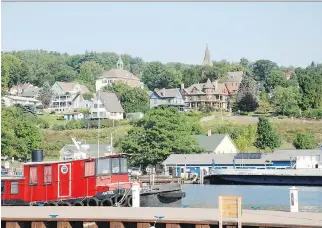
(209, 143)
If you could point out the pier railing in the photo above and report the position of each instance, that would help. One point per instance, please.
(281, 172)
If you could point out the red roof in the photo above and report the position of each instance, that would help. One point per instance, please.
(288, 74)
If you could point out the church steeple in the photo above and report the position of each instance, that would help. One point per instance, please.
(119, 64)
(207, 59)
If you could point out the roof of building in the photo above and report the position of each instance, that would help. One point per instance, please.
(22, 98)
(235, 76)
(119, 73)
(207, 58)
(110, 101)
(70, 86)
(31, 92)
(228, 158)
(220, 88)
(168, 93)
(209, 143)
(288, 74)
(208, 85)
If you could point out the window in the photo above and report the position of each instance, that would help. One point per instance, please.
(101, 106)
(14, 187)
(155, 101)
(123, 162)
(2, 187)
(33, 175)
(115, 165)
(89, 168)
(95, 105)
(103, 166)
(48, 174)
(105, 81)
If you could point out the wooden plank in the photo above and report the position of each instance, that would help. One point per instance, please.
(202, 226)
(38, 225)
(230, 215)
(90, 225)
(172, 225)
(12, 225)
(116, 225)
(230, 207)
(143, 225)
(64, 225)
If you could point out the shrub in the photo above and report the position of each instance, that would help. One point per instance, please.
(304, 140)
(73, 124)
(52, 112)
(59, 127)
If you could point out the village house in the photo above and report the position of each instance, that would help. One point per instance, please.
(288, 75)
(106, 106)
(68, 96)
(17, 90)
(117, 75)
(31, 92)
(233, 81)
(216, 143)
(170, 97)
(73, 116)
(13, 100)
(211, 94)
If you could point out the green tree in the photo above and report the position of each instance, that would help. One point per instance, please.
(286, 100)
(89, 72)
(266, 136)
(45, 94)
(132, 99)
(246, 99)
(264, 103)
(262, 69)
(163, 131)
(19, 135)
(88, 96)
(275, 78)
(157, 75)
(304, 140)
(191, 75)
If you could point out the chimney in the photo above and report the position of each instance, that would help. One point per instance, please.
(209, 132)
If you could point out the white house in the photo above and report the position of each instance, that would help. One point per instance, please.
(12, 100)
(216, 143)
(106, 106)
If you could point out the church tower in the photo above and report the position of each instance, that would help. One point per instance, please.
(119, 64)
(207, 59)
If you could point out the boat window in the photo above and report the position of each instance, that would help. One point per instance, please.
(48, 174)
(115, 165)
(89, 168)
(33, 175)
(103, 166)
(14, 187)
(123, 162)
(2, 187)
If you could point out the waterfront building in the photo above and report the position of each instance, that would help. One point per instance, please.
(279, 159)
(117, 74)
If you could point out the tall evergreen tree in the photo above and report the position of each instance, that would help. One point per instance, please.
(45, 95)
(266, 136)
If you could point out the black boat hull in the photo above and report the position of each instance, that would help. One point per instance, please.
(264, 180)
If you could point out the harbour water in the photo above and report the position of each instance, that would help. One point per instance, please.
(255, 197)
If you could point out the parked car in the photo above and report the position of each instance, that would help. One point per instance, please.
(134, 171)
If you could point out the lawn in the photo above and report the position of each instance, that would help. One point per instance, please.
(51, 119)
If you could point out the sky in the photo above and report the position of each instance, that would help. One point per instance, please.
(289, 33)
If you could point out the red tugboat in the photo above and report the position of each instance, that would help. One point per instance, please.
(102, 181)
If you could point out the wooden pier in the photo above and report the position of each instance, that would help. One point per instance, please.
(120, 217)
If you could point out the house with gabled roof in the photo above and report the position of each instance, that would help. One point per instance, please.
(233, 81)
(106, 106)
(211, 94)
(170, 97)
(117, 74)
(67, 96)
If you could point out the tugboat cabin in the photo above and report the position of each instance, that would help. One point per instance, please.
(69, 181)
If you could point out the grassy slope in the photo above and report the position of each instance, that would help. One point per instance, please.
(286, 128)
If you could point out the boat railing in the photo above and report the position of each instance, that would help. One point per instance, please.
(278, 172)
